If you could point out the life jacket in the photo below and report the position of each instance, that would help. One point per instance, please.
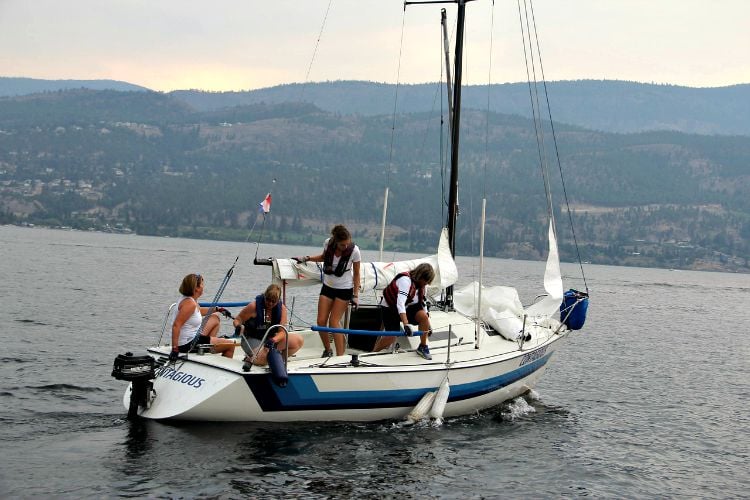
(256, 327)
(390, 294)
(328, 255)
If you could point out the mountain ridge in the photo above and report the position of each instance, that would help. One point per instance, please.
(104, 159)
(18, 86)
(606, 105)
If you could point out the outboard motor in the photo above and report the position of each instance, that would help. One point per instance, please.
(573, 309)
(139, 371)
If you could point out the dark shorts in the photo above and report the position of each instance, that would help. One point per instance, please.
(257, 333)
(203, 339)
(344, 294)
(392, 321)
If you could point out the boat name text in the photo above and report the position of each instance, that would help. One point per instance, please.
(533, 355)
(182, 377)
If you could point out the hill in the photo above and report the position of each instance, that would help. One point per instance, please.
(610, 106)
(10, 86)
(148, 162)
(605, 105)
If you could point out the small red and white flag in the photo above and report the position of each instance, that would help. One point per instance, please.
(265, 205)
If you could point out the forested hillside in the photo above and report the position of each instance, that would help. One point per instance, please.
(606, 105)
(150, 163)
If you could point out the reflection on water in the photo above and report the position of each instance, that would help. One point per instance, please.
(137, 441)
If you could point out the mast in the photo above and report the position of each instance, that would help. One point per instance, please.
(458, 63)
(446, 45)
(455, 126)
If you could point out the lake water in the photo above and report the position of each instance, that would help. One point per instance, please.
(649, 400)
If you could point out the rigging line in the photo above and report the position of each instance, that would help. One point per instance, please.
(438, 92)
(420, 151)
(557, 151)
(212, 307)
(528, 51)
(489, 88)
(395, 100)
(315, 51)
(538, 117)
(257, 244)
(429, 120)
(465, 84)
(304, 322)
(260, 238)
(251, 230)
(443, 200)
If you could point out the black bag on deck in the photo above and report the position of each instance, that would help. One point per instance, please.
(364, 318)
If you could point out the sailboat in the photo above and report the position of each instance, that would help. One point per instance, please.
(486, 346)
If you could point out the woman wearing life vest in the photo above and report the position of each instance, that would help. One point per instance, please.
(404, 303)
(259, 315)
(189, 318)
(340, 258)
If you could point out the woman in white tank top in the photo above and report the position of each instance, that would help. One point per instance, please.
(188, 319)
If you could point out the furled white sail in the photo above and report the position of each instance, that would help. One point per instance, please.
(550, 305)
(501, 307)
(373, 275)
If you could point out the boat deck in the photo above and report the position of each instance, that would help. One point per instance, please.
(454, 343)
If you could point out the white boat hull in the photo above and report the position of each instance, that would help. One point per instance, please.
(382, 386)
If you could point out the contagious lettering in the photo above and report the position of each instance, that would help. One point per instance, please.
(182, 377)
(533, 355)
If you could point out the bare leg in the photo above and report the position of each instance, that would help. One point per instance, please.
(383, 342)
(212, 326)
(295, 344)
(324, 310)
(223, 346)
(262, 358)
(424, 325)
(211, 329)
(337, 311)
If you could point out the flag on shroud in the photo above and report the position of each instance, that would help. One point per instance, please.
(265, 205)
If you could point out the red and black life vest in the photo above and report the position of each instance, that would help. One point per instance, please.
(328, 255)
(390, 294)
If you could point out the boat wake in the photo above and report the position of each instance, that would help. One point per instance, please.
(518, 408)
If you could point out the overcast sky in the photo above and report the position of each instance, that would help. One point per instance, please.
(245, 44)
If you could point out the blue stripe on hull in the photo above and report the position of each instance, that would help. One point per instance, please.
(301, 393)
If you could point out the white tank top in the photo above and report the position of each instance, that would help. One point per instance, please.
(193, 323)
